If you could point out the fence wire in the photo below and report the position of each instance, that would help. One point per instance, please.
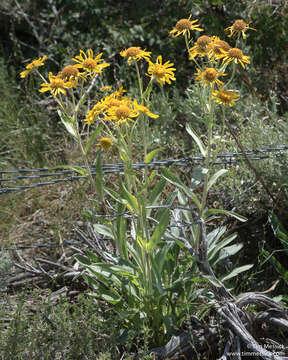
(42, 173)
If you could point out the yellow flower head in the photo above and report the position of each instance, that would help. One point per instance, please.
(201, 47)
(90, 64)
(216, 47)
(184, 26)
(100, 109)
(105, 143)
(235, 55)
(122, 113)
(71, 73)
(209, 76)
(56, 85)
(161, 72)
(225, 97)
(97, 110)
(239, 27)
(33, 65)
(125, 110)
(135, 53)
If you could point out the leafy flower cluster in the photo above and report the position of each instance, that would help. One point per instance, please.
(117, 108)
(214, 50)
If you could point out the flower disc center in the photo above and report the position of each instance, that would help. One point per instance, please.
(159, 70)
(89, 64)
(210, 74)
(235, 53)
(183, 24)
(133, 51)
(239, 25)
(122, 112)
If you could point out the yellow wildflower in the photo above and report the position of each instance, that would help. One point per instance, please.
(71, 73)
(56, 85)
(184, 26)
(209, 76)
(97, 110)
(115, 99)
(161, 72)
(90, 64)
(225, 97)
(201, 47)
(216, 47)
(239, 27)
(105, 143)
(33, 65)
(122, 113)
(135, 53)
(235, 55)
(125, 110)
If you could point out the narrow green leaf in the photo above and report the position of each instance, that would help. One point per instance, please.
(159, 230)
(213, 250)
(196, 139)
(237, 271)
(225, 212)
(130, 200)
(173, 179)
(103, 230)
(149, 157)
(99, 175)
(156, 192)
(121, 226)
(79, 169)
(214, 178)
(83, 260)
(92, 138)
(228, 251)
(212, 280)
(113, 194)
(214, 236)
(68, 123)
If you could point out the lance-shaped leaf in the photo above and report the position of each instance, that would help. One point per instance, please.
(237, 271)
(68, 123)
(129, 200)
(149, 157)
(214, 178)
(159, 230)
(197, 139)
(78, 169)
(92, 138)
(224, 212)
(99, 175)
(173, 179)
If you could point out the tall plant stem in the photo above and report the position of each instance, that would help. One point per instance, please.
(139, 80)
(207, 165)
(86, 162)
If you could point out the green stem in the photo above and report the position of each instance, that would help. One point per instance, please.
(232, 76)
(139, 81)
(207, 164)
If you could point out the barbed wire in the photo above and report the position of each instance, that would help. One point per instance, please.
(38, 173)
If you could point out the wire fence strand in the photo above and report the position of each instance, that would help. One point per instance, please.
(42, 173)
